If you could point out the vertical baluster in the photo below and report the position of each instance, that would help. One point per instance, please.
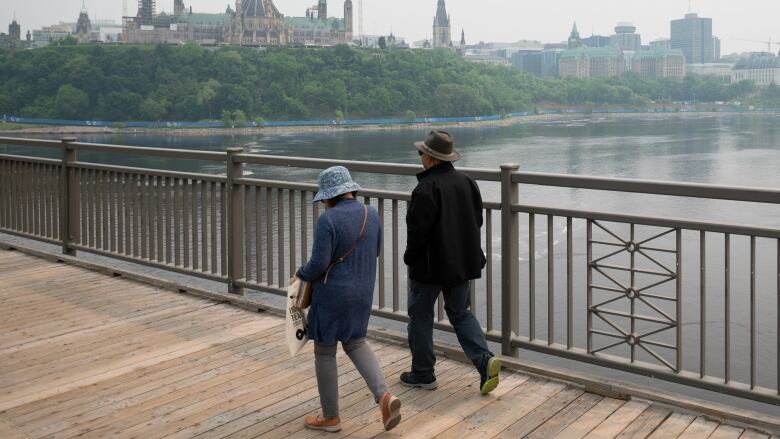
(82, 207)
(531, 277)
(269, 238)
(15, 197)
(3, 194)
(223, 228)
(247, 219)
(213, 191)
(113, 214)
(187, 223)
(195, 226)
(280, 235)
(396, 293)
(679, 302)
(727, 299)
(569, 283)
(36, 198)
(632, 256)
(292, 231)
(91, 227)
(550, 281)
(777, 317)
(589, 238)
(381, 276)
(120, 213)
(304, 229)
(159, 209)
(47, 211)
(178, 224)
(204, 229)
(25, 197)
(138, 231)
(147, 242)
(703, 303)
(100, 215)
(127, 200)
(258, 236)
(753, 313)
(170, 227)
(489, 268)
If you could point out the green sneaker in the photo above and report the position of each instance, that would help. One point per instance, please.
(489, 379)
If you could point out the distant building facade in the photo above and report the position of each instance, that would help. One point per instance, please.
(50, 34)
(722, 70)
(529, 61)
(442, 35)
(596, 41)
(13, 40)
(574, 38)
(251, 23)
(587, 63)
(658, 63)
(693, 35)
(625, 37)
(84, 27)
(763, 69)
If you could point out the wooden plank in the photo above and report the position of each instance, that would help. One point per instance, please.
(644, 425)
(505, 411)
(565, 417)
(700, 428)
(673, 426)
(263, 409)
(592, 418)
(350, 382)
(364, 415)
(162, 353)
(268, 377)
(9, 431)
(528, 423)
(753, 434)
(148, 382)
(619, 420)
(726, 432)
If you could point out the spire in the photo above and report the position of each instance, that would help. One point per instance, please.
(574, 31)
(442, 18)
(462, 37)
(84, 6)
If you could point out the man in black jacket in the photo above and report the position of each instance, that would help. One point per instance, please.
(444, 253)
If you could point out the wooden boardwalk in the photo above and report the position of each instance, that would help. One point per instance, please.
(86, 355)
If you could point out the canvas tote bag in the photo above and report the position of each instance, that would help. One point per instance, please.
(296, 325)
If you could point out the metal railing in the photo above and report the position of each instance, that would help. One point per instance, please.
(620, 289)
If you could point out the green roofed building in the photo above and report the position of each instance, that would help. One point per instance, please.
(591, 62)
(251, 23)
(658, 62)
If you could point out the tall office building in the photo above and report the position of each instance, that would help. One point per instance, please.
(693, 35)
(625, 37)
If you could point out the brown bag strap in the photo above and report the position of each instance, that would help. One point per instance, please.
(354, 246)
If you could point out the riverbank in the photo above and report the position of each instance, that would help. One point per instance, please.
(249, 131)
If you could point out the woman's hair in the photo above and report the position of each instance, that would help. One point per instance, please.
(337, 199)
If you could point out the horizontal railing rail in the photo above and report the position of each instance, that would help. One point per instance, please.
(689, 301)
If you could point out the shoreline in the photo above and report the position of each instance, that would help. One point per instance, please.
(248, 131)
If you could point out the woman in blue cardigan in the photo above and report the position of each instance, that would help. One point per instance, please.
(342, 270)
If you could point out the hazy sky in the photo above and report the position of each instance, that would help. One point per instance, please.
(483, 20)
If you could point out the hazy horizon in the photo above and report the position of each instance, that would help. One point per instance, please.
(491, 20)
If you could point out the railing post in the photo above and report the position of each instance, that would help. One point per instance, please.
(234, 223)
(69, 208)
(510, 251)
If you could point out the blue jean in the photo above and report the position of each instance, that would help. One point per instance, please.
(457, 299)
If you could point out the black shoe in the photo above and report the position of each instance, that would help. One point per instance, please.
(409, 379)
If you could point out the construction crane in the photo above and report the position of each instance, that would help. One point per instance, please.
(769, 43)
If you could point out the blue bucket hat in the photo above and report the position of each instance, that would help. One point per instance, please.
(335, 181)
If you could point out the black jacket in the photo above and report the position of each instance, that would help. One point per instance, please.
(443, 245)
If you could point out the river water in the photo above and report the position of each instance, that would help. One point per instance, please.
(740, 150)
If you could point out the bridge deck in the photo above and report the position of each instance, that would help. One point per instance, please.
(87, 355)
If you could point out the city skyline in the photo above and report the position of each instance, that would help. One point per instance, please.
(495, 21)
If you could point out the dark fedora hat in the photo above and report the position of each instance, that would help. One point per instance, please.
(439, 145)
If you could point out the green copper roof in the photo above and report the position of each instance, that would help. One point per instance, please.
(204, 19)
(313, 23)
(592, 52)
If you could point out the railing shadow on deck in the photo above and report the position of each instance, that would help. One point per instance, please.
(628, 314)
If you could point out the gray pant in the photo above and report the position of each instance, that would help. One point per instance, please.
(365, 362)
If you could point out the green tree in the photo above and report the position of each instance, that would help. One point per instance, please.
(206, 95)
(154, 109)
(382, 43)
(71, 103)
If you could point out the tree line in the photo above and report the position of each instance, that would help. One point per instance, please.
(189, 83)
